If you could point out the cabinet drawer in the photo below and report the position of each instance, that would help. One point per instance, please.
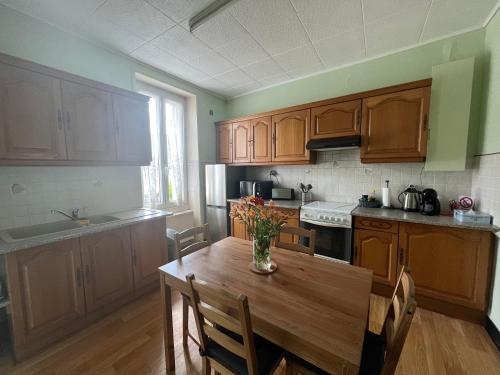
(292, 213)
(377, 224)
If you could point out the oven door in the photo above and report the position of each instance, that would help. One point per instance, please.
(331, 242)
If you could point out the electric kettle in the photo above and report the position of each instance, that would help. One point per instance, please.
(410, 199)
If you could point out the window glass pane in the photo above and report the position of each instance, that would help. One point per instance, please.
(152, 181)
(174, 133)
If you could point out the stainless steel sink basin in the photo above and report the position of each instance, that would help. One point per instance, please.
(16, 234)
(102, 219)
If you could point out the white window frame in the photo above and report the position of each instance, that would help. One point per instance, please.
(162, 94)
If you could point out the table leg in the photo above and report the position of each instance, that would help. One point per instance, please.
(168, 332)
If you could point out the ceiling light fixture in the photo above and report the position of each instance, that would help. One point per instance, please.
(208, 12)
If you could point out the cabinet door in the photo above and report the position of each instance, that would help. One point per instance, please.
(241, 142)
(30, 115)
(225, 143)
(46, 290)
(448, 264)
(377, 251)
(88, 116)
(394, 126)
(290, 135)
(149, 251)
(336, 120)
(238, 229)
(133, 140)
(108, 267)
(261, 142)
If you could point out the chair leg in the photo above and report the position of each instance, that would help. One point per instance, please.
(185, 321)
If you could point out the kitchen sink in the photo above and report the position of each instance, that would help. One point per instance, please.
(101, 219)
(16, 234)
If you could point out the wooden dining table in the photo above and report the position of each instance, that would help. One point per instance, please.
(312, 307)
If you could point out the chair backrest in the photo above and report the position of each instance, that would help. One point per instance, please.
(300, 232)
(398, 320)
(192, 233)
(221, 308)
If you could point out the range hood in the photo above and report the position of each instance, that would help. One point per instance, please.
(337, 143)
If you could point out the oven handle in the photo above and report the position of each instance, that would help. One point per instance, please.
(322, 224)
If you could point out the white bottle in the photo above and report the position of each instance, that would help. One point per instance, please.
(386, 195)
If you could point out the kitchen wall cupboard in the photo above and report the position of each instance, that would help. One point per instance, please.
(336, 120)
(392, 123)
(225, 143)
(394, 127)
(59, 288)
(451, 267)
(30, 115)
(49, 117)
(241, 142)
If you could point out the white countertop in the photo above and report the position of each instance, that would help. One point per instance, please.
(125, 218)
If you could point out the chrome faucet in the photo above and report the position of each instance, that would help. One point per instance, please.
(75, 213)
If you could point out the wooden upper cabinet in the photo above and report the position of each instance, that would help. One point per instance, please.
(46, 289)
(225, 143)
(30, 115)
(88, 116)
(261, 141)
(133, 139)
(290, 135)
(394, 126)
(336, 120)
(107, 263)
(241, 142)
(377, 251)
(149, 251)
(448, 264)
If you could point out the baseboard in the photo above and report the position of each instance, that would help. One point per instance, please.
(493, 332)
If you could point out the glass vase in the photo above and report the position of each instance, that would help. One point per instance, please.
(262, 253)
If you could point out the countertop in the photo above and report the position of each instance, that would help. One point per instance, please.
(278, 203)
(125, 218)
(416, 217)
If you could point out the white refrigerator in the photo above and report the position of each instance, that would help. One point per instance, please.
(221, 183)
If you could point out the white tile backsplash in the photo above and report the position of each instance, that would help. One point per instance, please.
(97, 190)
(340, 176)
(486, 185)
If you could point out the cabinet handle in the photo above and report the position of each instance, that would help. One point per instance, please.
(78, 277)
(401, 256)
(87, 273)
(59, 120)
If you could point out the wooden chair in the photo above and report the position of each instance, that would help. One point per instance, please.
(380, 352)
(300, 232)
(189, 236)
(227, 342)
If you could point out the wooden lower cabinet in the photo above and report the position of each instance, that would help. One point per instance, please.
(149, 251)
(377, 251)
(59, 288)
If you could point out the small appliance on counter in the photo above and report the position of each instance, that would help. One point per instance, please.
(369, 201)
(430, 203)
(261, 189)
(283, 194)
(410, 199)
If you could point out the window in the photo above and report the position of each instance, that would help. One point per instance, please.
(164, 181)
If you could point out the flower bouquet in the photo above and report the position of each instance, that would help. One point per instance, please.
(263, 223)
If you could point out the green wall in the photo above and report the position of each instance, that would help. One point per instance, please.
(489, 136)
(33, 40)
(405, 66)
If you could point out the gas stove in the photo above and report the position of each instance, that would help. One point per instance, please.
(331, 214)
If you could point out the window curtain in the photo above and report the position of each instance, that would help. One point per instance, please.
(174, 125)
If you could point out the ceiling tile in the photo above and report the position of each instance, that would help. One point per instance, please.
(211, 63)
(212, 84)
(137, 16)
(273, 80)
(263, 69)
(446, 16)
(376, 9)
(234, 91)
(273, 23)
(243, 51)
(394, 32)
(305, 71)
(327, 18)
(179, 10)
(342, 49)
(302, 57)
(234, 78)
(220, 30)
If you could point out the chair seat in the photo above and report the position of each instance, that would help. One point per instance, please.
(268, 354)
(372, 358)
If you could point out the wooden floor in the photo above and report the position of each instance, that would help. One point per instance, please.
(130, 342)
